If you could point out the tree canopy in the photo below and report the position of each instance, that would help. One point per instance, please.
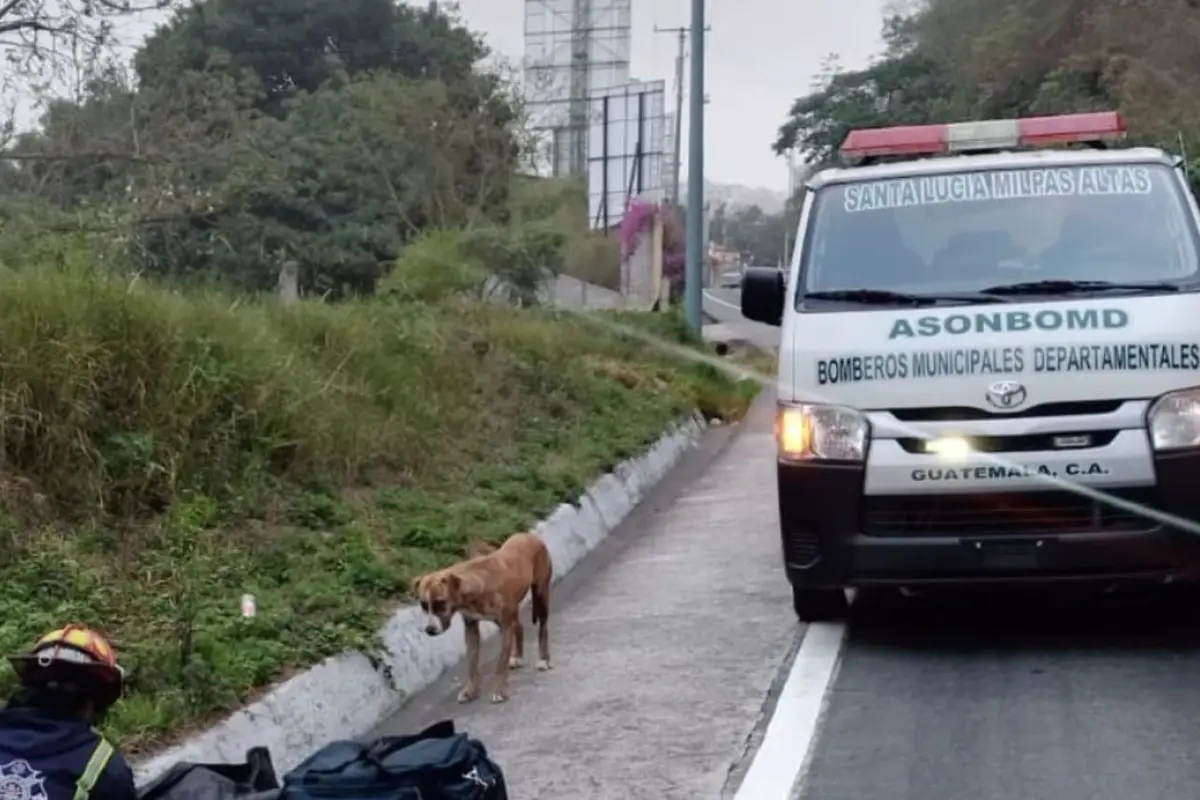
(294, 46)
(36, 35)
(251, 135)
(762, 239)
(952, 60)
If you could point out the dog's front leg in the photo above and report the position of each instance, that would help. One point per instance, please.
(500, 687)
(518, 659)
(470, 689)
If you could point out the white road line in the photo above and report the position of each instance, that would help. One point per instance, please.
(784, 751)
(721, 302)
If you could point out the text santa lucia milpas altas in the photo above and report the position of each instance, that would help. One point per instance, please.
(958, 362)
(1001, 185)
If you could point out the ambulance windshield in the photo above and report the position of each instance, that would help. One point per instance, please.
(962, 232)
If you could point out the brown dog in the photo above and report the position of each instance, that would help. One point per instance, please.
(491, 587)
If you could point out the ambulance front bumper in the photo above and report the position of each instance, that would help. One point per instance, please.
(835, 534)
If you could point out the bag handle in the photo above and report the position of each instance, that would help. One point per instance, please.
(374, 753)
(362, 754)
(377, 763)
(385, 746)
(262, 770)
(366, 755)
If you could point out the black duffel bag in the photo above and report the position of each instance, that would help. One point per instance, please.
(253, 780)
(435, 764)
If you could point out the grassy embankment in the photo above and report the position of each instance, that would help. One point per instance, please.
(741, 356)
(165, 452)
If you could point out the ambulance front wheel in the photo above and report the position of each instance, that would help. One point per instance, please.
(819, 605)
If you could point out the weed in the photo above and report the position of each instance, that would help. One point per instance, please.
(162, 454)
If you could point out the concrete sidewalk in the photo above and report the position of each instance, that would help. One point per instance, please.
(665, 642)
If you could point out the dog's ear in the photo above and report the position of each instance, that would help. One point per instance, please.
(415, 588)
(454, 584)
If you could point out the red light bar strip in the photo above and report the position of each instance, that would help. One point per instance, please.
(912, 140)
(1000, 134)
(1097, 127)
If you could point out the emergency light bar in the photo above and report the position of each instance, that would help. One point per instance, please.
(998, 134)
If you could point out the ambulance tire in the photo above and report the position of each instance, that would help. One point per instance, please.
(819, 605)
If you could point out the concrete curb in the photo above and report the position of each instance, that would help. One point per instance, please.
(348, 695)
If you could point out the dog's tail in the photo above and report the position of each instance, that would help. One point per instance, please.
(543, 574)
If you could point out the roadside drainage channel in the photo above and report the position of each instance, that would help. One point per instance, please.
(349, 694)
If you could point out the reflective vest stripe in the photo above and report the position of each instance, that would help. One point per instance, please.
(94, 769)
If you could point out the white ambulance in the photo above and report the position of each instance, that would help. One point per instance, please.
(989, 364)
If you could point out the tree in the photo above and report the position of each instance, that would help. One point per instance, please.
(55, 39)
(718, 222)
(56, 43)
(336, 187)
(906, 87)
(81, 146)
(1073, 55)
(760, 238)
(321, 135)
(297, 46)
(951, 60)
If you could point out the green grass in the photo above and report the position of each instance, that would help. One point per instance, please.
(164, 453)
(763, 363)
(671, 326)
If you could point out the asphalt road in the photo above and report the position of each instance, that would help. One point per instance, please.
(665, 642)
(1075, 697)
(680, 673)
(724, 305)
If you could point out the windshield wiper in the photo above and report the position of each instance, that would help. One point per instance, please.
(883, 297)
(1076, 287)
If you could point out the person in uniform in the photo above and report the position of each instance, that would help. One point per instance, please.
(49, 749)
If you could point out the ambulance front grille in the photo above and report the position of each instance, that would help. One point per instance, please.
(1025, 443)
(961, 413)
(1003, 514)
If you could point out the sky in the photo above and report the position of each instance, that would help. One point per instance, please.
(761, 55)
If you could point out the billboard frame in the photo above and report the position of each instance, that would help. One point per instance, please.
(564, 65)
(640, 149)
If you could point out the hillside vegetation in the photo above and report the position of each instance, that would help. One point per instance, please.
(165, 453)
(173, 436)
(957, 60)
(952, 60)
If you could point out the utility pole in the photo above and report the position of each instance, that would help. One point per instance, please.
(677, 156)
(693, 270)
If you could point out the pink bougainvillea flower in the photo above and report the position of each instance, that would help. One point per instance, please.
(639, 216)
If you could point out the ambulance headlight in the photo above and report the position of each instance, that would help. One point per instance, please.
(1174, 420)
(811, 432)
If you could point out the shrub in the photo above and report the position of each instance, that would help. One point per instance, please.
(165, 452)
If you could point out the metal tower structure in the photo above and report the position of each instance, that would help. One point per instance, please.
(574, 50)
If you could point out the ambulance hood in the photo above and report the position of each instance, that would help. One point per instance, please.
(1045, 352)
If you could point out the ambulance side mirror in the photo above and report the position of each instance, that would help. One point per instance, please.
(763, 290)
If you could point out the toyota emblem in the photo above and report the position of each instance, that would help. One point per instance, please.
(1006, 395)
